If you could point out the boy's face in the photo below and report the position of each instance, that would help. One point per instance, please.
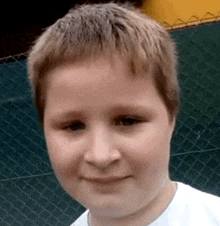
(108, 136)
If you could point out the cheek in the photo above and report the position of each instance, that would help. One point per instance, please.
(63, 155)
(149, 152)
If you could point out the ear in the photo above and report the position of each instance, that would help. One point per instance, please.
(172, 125)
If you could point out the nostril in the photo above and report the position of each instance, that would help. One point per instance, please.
(102, 158)
(101, 150)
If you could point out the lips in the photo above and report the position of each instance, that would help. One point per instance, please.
(105, 180)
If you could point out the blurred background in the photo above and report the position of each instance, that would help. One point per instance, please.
(25, 20)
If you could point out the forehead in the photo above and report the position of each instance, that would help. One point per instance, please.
(99, 85)
(135, 66)
(104, 71)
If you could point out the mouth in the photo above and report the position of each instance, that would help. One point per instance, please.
(106, 181)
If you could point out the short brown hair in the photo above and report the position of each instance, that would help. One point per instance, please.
(103, 29)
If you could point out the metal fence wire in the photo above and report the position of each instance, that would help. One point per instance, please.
(29, 191)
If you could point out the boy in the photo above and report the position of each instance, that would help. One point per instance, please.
(105, 86)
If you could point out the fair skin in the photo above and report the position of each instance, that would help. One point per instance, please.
(108, 136)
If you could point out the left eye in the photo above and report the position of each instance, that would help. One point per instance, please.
(74, 126)
(127, 121)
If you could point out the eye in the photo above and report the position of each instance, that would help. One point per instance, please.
(128, 120)
(74, 126)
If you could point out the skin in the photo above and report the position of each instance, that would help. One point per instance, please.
(108, 137)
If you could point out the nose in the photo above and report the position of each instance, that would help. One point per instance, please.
(102, 152)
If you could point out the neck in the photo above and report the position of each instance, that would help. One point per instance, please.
(143, 216)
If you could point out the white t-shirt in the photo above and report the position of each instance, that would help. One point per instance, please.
(189, 207)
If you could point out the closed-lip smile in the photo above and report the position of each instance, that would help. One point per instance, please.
(105, 180)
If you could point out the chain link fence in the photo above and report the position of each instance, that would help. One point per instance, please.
(29, 191)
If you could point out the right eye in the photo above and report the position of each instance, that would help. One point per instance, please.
(74, 126)
(128, 121)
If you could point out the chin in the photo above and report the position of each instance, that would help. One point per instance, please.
(111, 207)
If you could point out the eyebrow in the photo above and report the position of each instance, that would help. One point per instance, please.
(134, 107)
(119, 109)
(67, 114)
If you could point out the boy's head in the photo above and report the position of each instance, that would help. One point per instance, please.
(105, 84)
(89, 31)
